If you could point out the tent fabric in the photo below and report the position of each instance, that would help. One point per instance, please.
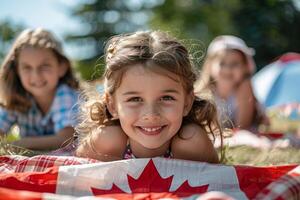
(53, 177)
(276, 84)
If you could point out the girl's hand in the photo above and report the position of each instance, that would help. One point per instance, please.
(47, 142)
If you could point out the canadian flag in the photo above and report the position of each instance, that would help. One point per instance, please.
(53, 177)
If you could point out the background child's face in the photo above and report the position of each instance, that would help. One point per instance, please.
(39, 71)
(150, 106)
(230, 67)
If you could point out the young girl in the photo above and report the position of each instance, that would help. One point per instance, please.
(226, 72)
(38, 91)
(148, 107)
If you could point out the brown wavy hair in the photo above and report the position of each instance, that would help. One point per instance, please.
(13, 96)
(155, 50)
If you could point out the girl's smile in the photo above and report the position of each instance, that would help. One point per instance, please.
(151, 131)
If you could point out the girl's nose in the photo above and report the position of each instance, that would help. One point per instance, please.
(226, 71)
(151, 114)
(151, 117)
(35, 75)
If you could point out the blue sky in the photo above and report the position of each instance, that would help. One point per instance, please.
(50, 14)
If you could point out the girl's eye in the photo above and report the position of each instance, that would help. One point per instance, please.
(222, 64)
(135, 99)
(167, 98)
(45, 67)
(26, 69)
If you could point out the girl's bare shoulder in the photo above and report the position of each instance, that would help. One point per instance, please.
(109, 137)
(104, 143)
(194, 144)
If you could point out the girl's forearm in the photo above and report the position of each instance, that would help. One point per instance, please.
(46, 142)
(42, 142)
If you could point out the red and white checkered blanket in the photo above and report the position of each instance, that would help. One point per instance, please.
(53, 177)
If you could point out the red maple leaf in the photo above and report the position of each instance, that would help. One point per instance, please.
(150, 181)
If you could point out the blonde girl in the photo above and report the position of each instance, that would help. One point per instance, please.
(226, 72)
(148, 108)
(38, 91)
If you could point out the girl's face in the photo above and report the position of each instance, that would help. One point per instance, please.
(229, 68)
(150, 106)
(39, 71)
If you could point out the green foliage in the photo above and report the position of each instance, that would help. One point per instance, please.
(90, 69)
(6, 148)
(271, 27)
(262, 157)
(101, 20)
(195, 19)
(8, 32)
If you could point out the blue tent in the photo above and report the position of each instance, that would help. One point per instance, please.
(279, 82)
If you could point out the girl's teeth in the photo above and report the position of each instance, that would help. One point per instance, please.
(151, 129)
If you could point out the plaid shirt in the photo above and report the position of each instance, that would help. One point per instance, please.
(62, 114)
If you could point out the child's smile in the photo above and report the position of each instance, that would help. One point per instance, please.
(151, 130)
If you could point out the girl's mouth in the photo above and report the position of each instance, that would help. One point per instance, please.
(39, 85)
(155, 130)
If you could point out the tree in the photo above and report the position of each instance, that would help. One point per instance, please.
(101, 20)
(271, 27)
(8, 32)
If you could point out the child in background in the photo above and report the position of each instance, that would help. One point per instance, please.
(148, 108)
(226, 72)
(38, 91)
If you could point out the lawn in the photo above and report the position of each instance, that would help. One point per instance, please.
(242, 155)
(250, 156)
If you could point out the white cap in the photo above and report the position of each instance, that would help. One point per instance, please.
(231, 42)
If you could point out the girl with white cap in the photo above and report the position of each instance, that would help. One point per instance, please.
(226, 72)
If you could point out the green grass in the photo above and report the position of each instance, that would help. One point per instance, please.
(8, 149)
(281, 122)
(244, 155)
(241, 155)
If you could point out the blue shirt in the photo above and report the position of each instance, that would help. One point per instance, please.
(62, 113)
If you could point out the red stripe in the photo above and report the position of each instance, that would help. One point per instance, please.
(253, 179)
(9, 194)
(290, 57)
(141, 196)
(32, 181)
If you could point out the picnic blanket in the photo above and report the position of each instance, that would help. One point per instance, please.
(54, 177)
(259, 140)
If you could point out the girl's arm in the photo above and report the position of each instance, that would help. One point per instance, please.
(104, 143)
(245, 105)
(47, 142)
(194, 144)
(2, 134)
